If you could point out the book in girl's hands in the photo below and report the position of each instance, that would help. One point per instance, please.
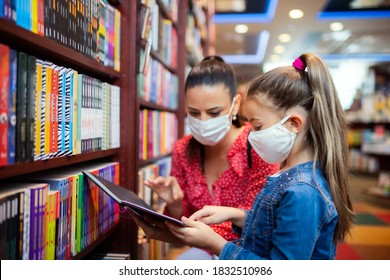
(130, 200)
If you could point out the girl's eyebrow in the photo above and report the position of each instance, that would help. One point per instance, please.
(254, 119)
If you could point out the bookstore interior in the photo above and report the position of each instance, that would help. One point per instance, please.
(96, 87)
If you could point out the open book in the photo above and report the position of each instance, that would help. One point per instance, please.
(129, 200)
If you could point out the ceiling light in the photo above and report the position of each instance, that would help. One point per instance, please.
(284, 38)
(295, 14)
(279, 49)
(336, 26)
(241, 28)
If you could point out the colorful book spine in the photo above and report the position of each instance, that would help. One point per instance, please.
(4, 93)
(30, 107)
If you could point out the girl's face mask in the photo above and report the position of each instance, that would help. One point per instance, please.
(212, 131)
(273, 144)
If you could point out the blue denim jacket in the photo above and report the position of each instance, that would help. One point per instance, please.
(293, 217)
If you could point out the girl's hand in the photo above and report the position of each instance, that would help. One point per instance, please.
(168, 190)
(198, 234)
(219, 214)
(155, 230)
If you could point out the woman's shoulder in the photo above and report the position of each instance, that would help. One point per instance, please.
(181, 144)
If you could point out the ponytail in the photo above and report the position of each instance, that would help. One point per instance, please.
(328, 133)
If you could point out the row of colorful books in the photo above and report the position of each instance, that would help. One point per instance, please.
(158, 85)
(55, 215)
(158, 132)
(91, 27)
(152, 249)
(49, 111)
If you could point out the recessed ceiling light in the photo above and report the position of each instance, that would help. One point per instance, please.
(296, 13)
(284, 38)
(336, 26)
(241, 28)
(279, 49)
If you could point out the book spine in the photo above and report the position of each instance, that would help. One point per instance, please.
(30, 107)
(4, 102)
(21, 124)
(12, 106)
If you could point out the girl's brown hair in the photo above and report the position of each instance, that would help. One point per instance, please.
(313, 89)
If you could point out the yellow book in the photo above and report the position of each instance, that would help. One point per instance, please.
(145, 135)
(34, 16)
(117, 43)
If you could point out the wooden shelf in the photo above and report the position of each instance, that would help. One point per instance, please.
(155, 55)
(153, 106)
(377, 192)
(143, 163)
(24, 40)
(35, 166)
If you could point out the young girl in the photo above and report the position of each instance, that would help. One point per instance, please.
(304, 209)
(213, 165)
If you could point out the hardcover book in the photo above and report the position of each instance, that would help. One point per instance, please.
(129, 200)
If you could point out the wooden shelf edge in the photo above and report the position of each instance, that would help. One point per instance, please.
(153, 106)
(377, 192)
(155, 55)
(145, 162)
(45, 48)
(35, 166)
(96, 243)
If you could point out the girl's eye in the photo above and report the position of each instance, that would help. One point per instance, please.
(257, 128)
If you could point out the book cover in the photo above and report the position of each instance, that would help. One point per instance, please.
(4, 92)
(12, 106)
(30, 107)
(129, 200)
(21, 105)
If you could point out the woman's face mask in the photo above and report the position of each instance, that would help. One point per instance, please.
(273, 144)
(212, 131)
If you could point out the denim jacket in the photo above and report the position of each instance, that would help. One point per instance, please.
(293, 217)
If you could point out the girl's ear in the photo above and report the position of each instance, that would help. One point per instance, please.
(295, 123)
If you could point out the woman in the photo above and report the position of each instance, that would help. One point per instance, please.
(215, 165)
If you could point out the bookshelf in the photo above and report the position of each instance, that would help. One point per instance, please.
(21, 39)
(123, 236)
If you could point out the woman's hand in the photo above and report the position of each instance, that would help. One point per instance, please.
(156, 229)
(168, 190)
(198, 234)
(219, 214)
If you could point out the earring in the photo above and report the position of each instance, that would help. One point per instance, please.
(234, 117)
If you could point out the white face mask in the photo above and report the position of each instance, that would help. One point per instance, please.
(212, 131)
(273, 144)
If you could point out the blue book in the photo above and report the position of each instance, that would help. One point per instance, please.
(13, 75)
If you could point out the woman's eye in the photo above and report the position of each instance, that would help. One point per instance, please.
(257, 128)
(194, 114)
(214, 114)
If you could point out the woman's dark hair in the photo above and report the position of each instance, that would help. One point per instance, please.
(211, 71)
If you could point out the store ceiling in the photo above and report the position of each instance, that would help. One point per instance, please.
(362, 37)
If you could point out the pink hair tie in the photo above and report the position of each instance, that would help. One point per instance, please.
(298, 64)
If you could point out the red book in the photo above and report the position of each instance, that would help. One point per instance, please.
(4, 89)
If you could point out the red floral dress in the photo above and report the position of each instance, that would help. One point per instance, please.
(236, 187)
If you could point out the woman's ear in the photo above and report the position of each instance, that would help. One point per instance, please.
(295, 123)
(237, 102)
